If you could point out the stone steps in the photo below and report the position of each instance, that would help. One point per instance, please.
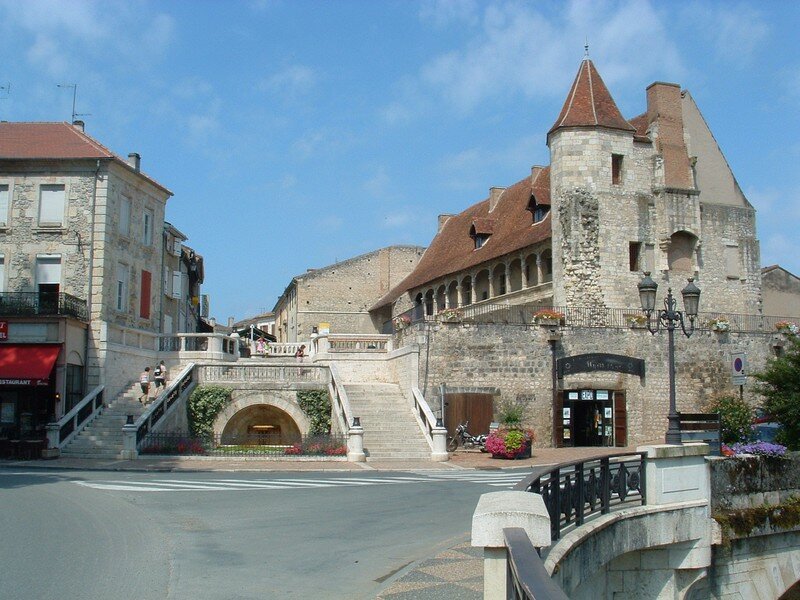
(390, 430)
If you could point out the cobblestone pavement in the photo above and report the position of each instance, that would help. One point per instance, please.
(455, 573)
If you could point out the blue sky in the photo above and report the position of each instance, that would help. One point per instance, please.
(298, 133)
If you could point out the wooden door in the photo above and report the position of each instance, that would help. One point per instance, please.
(558, 420)
(478, 409)
(620, 420)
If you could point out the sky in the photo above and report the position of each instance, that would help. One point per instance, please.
(298, 133)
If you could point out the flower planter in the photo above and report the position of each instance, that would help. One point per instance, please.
(548, 322)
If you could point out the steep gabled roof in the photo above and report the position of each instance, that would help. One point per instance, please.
(453, 250)
(589, 103)
(56, 141)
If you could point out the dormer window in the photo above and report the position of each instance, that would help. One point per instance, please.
(480, 231)
(539, 211)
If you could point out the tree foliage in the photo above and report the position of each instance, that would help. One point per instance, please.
(204, 405)
(317, 406)
(780, 386)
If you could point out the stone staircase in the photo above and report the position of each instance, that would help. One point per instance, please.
(102, 438)
(390, 429)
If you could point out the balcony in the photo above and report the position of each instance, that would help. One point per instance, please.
(27, 304)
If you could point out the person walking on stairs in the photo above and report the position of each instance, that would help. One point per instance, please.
(144, 381)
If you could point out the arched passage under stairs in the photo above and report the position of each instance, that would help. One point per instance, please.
(254, 414)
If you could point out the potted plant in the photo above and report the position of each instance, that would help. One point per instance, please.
(548, 316)
(510, 443)
(719, 324)
(450, 315)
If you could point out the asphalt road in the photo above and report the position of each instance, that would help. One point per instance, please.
(228, 536)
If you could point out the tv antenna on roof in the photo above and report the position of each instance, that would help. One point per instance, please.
(5, 91)
(74, 87)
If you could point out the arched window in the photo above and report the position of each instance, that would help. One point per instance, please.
(681, 252)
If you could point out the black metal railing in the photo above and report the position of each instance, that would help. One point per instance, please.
(584, 317)
(76, 418)
(25, 304)
(164, 402)
(577, 491)
(251, 444)
(526, 576)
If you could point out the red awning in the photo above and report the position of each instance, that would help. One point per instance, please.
(27, 364)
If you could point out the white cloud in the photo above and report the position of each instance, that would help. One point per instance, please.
(735, 30)
(441, 13)
(292, 80)
(520, 50)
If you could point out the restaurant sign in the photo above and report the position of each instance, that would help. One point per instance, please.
(583, 363)
(3, 331)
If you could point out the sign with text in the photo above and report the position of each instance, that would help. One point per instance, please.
(3, 331)
(584, 363)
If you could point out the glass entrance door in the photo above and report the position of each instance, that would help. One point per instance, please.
(588, 418)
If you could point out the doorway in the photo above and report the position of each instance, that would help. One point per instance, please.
(477, 408)
(590, 417)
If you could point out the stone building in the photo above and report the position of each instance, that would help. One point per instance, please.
(620, 196)
(81, 257)
(781, 290)
(337, 297)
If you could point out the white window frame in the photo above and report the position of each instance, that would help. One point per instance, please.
(124, 216)
(5, 203)
(51, 214)
(123, 284)
(148, 218)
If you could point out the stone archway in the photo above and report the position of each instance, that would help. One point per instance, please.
(262, 412)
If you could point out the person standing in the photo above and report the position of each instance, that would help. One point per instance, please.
(144, 382)
(160, 376)
(301, 352)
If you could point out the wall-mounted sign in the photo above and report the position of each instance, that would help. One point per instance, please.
(602, 394)
(607, 412)
(3, 331)
(583, 363)
(565, 413)
(738, 368)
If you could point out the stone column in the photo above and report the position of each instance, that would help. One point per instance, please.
(539, 268)
(508, 277)
(460, 293)
(355, 444)
(129, 450)
(492, 292)
(523, 264)
(439, 451)
(495, 512)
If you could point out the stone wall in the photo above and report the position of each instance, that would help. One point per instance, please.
(517, 361)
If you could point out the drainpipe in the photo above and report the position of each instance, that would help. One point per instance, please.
(552, 339)
(90, 278)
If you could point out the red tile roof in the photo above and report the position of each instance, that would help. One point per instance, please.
(453, 250)
(54, 141)
(589, 103)
(641, 124)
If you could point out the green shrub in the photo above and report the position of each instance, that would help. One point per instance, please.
(205, 403)
(511, 413)
(317, 406)
(736, 416)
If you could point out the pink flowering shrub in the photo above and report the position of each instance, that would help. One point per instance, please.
(509, 443)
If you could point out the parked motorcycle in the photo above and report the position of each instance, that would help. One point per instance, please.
(463, 437)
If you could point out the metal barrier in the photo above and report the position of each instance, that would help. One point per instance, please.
(162, 404)
(59, 434)
(42, 303)
(576, 491)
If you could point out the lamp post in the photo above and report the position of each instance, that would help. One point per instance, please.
(669, 318)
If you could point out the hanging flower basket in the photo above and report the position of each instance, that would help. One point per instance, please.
(787, 328)
(450, 315)
(719, 325)
(401, 322)
(548, 317)
(637, 321)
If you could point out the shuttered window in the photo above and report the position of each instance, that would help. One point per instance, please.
(144, 301)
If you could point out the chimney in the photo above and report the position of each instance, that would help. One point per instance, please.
(230, 322)
(79, 125)
(665, 116)
(135, 161)
(535, 170)
(494, 196)
(442, 220)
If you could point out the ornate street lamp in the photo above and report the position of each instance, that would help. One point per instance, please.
(669, 318)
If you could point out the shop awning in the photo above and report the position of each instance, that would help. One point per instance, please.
(27, 364)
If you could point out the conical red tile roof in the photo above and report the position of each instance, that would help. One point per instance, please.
(589, 103)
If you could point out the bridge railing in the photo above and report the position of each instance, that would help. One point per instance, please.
(339, 401)
(576, 491)
(250, 373)
(526, 576)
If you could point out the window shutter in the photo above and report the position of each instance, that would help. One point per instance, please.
(620, 420)
(558, 420)
(144, 301)
(176, 284)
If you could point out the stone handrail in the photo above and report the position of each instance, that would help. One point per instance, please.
(287, 348)
(526, 572)
(339, 401)
(352, 342)
(134, 433)
(199, 346)
(62, 432)
(435, 434)
(266, 373)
